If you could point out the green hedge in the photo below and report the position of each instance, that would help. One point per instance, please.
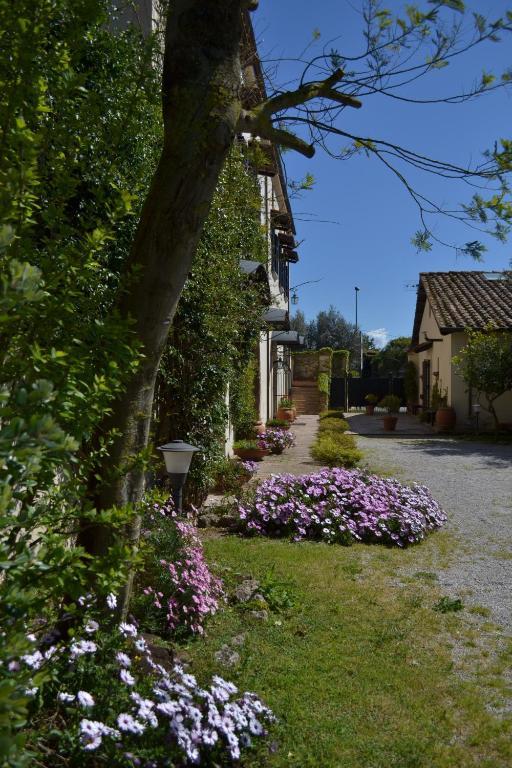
(333, 447)
(324, 383)
(340, 358)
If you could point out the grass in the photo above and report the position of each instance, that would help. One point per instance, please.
(356, 665)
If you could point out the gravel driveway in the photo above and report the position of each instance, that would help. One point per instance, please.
(473, 482)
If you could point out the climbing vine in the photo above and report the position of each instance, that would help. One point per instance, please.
(216, 327)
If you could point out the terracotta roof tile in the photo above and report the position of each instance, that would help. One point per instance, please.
(468, 299)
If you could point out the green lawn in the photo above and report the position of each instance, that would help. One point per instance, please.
(359, 670)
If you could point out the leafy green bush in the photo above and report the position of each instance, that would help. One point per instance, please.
(278, 423)
(333, 425)
(244, 445)
(391, 403)
(336, 450)
(332, 413)
(230, 475)
(79, 143)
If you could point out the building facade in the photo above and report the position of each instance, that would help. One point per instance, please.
(448, 304)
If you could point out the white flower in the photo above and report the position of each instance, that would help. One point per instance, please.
(49, 653)
(111, 601)
(85, 699)
(126, 677)
(82, 647)
(128, 723)
(123, 659)
(33, 660)
(66, 698)
(31, 692)
(128, 630)
(141, 644)
(31, 638)
(91, 732)
(91, 627)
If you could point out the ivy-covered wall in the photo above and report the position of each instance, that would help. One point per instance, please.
(215, 331)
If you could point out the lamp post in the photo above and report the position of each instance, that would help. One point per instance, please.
(295, 298)
(177, 456)
(476, 410)
(356, 289)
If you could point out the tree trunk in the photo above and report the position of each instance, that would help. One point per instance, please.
(201, 107)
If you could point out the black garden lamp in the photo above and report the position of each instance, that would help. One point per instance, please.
(295, 298)
(177, 456)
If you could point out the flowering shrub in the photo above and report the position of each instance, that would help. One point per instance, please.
(176, 589)
(340, 506)
(110, 703)
(276, 440)
(250, 467)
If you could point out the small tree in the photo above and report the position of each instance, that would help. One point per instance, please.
(485, 364)
(392, 359)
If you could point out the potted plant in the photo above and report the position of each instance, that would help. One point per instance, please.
(259, 427)
(278, 424)
(286, 409)
(446, 416)
(371, 402)
(392, 405)
(276, 440)
(249, 450)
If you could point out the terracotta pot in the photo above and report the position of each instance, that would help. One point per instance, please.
(294, 411)
(389, 423)
(250, 454)
(370, 409)
(445, 419)
(259, 427)
(286, 414)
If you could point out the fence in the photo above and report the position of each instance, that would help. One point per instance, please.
(351, 392)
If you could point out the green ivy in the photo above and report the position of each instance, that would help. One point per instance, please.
(215, 330)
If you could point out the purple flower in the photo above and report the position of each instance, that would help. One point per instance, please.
(340, 505)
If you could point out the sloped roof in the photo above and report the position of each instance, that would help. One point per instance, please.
(462, 300)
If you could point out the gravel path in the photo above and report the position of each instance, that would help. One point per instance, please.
(473, 482)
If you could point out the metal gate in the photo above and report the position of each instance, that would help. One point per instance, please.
(351, 392)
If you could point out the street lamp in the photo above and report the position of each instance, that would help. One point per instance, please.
(295, 298)
(177, 456)
(356, 289)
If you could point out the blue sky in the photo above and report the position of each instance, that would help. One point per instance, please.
(370, 245)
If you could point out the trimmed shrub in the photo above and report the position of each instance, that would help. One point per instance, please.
(332, 413)
(336, 450)
(333, 425)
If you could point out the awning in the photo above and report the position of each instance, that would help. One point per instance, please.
(287, 338)
(249, 267)
(422, 347)
(276, 316)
